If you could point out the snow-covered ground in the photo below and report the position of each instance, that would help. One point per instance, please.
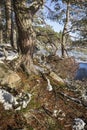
(79, 124)
(79, 54)
(10, 54)
(11, 102)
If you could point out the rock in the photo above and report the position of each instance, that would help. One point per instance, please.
(8, 77)
(55, 77)
(7, 99)
(3, 70)
(17, 102)
(23, 100)
(79, 124)
(11, 80)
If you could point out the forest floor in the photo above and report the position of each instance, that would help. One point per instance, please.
(58, 109)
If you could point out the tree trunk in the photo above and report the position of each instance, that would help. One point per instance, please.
(12, 29)
(1, 31)
(26, 35)
(65, 30)
(8, 20)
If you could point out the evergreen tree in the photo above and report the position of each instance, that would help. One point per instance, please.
(64, 11)
(1, 31)
(24, 13)
(8, 20)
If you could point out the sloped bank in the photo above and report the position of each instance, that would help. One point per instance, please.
(53, 105)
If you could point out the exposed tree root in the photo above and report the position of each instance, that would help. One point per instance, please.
(25, 63)
(73, 99)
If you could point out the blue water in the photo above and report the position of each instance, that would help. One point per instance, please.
(81, 72)
(81, 58)
(83, 65)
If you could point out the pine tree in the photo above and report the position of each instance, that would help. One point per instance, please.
(1, 23)
(24, 13)
(8, 20)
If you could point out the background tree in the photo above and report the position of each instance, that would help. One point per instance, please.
(1, 28)
(79, 21)
(83, 29)
(61, 14)
(8, 20)
(47, 38)
(65, 29)
(64, 11)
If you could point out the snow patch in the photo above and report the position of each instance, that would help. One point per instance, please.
(49, 87)
(7, 99)
(84, 95)
(79, 124)
(11, 57)
(11, 102)
(55, 113)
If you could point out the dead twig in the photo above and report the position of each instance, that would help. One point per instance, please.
(73, 99)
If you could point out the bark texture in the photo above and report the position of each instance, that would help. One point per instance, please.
(1, 31)
(26, 37)
(8, 20)
(65, 30)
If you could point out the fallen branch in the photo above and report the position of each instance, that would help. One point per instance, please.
(48, 112)
(73, 99)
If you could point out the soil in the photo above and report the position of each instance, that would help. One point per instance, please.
(47, 110)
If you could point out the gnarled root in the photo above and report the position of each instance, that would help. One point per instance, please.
(26, 64)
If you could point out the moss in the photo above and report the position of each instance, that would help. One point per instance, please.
(54, 125)
(34, 104)
(30, 128)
